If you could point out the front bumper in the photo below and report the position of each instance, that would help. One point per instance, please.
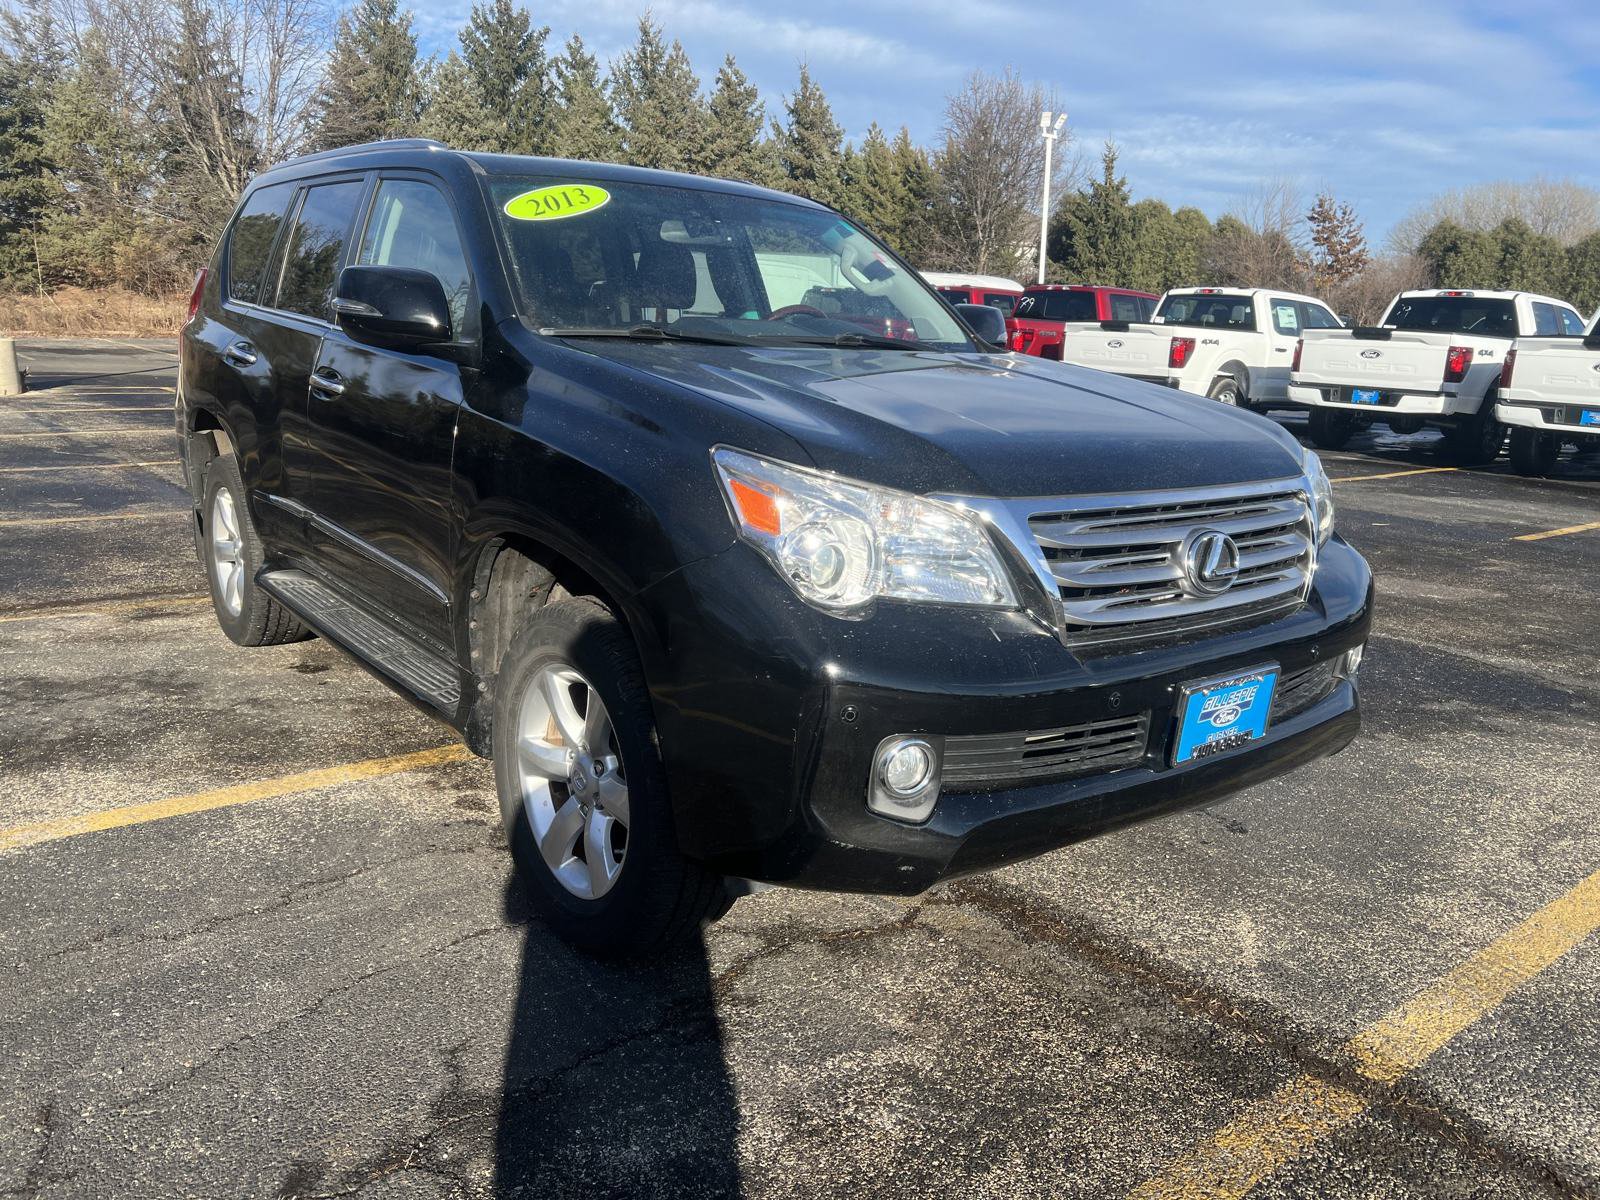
(769, 715)
(1397, 404)
(1546, 418)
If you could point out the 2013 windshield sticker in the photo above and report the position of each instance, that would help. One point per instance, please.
(557, 202)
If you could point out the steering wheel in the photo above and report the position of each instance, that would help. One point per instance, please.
(795, 310)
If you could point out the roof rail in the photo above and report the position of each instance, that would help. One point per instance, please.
(364, 147)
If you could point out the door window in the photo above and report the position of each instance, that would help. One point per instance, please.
(1571, 323)
(412, 226)
(1545, 321)
(1004, 301)
(1125, 308)
(316, 248)
(251, 238)
(1286, 317)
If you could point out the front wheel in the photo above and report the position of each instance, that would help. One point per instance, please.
(583, 793)
(1534, 452)
(1331, 429)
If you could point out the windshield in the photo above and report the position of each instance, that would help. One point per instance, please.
(605, 258)
(1058, 306)
(1454, 314)
(1222, 311)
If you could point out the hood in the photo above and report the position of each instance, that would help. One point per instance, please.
(971, 424)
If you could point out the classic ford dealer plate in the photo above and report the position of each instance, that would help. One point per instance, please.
(1365, 396)
(1219, 714)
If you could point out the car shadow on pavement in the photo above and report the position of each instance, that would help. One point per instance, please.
(615, 1082)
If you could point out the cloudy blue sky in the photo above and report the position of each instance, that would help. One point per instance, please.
(1386, 102)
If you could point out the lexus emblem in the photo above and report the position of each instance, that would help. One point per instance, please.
(1210, 562)
(1372, 354)
(1115, 343)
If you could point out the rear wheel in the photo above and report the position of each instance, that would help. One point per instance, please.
(231, 552)
(1476, 441)
(583, 793)
(1226, 390)
(1331, 429)
(1534, 452)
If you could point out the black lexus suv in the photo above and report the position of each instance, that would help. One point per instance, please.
(696, 510)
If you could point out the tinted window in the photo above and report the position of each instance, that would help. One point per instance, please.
(1571, 323)
(412, 226)
(1004, 301)
(316, 244)
(250, 240)
(956, 295)
(1545, 321)
(1147, 308)
(1058, 306)
(1126, 308)
(1225, 311)
(1314, 316)
(1285, 316)
(1454, 314)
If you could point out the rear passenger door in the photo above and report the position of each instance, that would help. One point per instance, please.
(382, 425)
(1270, 381)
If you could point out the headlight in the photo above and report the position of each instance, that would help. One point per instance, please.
(841, 544)
(1321, 497)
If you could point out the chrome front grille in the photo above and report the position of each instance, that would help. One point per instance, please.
(1118, 561)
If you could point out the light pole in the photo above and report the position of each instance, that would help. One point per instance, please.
(1049, 131)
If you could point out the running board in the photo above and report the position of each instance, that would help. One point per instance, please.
(372, 640)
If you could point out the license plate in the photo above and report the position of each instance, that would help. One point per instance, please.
(1221, 714)
(1589, 416)
(1365, 396)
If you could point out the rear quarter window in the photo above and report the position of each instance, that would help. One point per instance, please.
(250, 240)
(1004, 301)
(1571, 323)
(1126, 308)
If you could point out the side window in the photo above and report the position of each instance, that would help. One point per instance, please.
(316, 245)
(1545, 321)
(1147, 308)
(412, 226)
(1286, 317)
(251, 238)
(1125, 308)
(1314, 316)
(1571, 323)
(1004, 301)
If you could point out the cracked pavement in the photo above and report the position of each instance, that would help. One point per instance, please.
(341, 992)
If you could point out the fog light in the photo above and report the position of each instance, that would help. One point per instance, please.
(1352, 661)
(905, 778)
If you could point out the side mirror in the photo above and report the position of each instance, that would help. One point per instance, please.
(395, 307)
(985, 321)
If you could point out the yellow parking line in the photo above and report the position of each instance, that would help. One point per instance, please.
(244, 793)
(170, 462)
(15, 522)
(1539, 537)
(61, 433)
(91, 608)
(1395, 474)
(1273, 1131)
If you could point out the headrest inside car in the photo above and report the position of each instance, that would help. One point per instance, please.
(666, 276)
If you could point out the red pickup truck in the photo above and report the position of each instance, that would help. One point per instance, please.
(1034, 327)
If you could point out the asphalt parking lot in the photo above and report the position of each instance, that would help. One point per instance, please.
(259, 935)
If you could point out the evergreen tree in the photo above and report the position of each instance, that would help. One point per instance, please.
(583, 125)
(370, 89)
(916, 228)
(1155, 234)
(454, 111)
(1102, 228)
(736, 148)
(1529, 262)
(28, 70)
(1583, 274)
(1461, 258)
(505, 56)
(879, 191)
(1192, 235)
(809, 147)
(657, 94)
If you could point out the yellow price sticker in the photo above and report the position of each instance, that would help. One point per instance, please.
(557, 202)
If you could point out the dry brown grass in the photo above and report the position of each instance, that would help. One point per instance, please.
(80, 312)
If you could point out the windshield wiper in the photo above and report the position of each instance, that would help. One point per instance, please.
(850, 341)
(644, 333)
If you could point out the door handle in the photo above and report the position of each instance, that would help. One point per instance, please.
(327, 383)
(1280, 349)
(240, 354)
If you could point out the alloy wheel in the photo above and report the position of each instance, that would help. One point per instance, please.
(227, 552)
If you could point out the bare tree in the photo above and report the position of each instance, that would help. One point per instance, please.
(1364, 298)
(991, 173)
(1263, 241)
(1562, 209)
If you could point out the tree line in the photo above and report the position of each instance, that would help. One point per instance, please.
(128, 129)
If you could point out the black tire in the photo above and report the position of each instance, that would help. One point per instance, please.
(1476, 441)
(660, 898)
(259, 620)
(1331, 429)
(1228, 390)
(1533, 451)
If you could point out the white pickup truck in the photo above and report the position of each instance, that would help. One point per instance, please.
(1232, 344)
(1550, 395)
(1434, 360)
